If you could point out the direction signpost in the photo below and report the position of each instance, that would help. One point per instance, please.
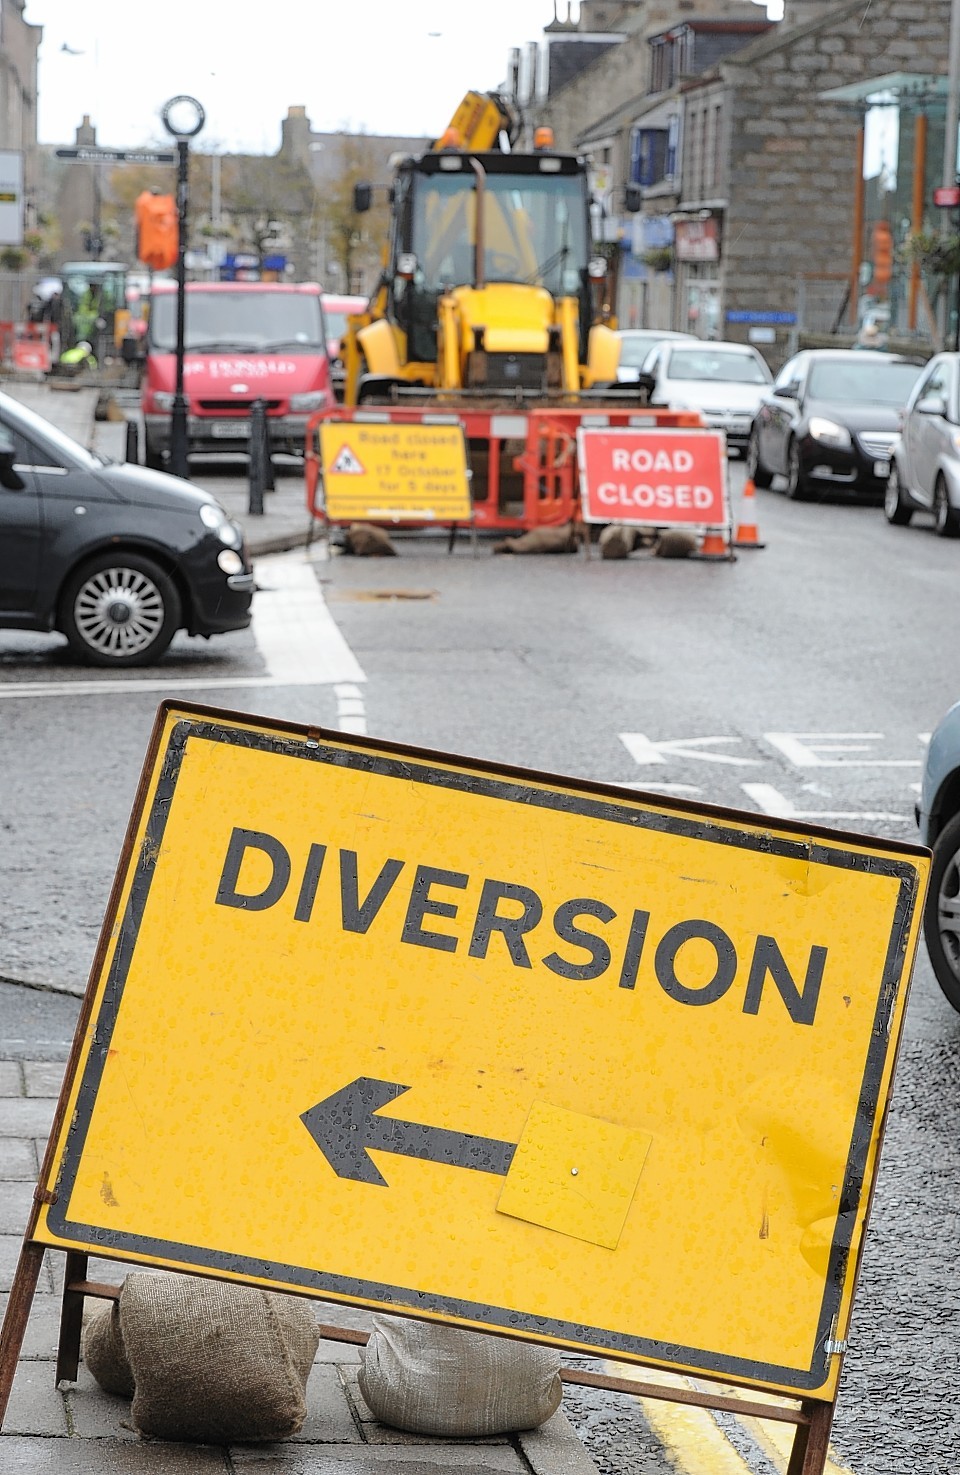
(487, 1047)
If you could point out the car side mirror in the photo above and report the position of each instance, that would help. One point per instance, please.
(9, 478)
(932, 404)
(789, 391)
(362, 198)
(647, 382)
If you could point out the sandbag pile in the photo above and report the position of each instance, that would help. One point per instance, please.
(446, 1381)
(205, 1361)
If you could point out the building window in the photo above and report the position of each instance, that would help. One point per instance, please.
(648, 156)
(718, 148)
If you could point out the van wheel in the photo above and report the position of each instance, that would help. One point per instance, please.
(120, 609)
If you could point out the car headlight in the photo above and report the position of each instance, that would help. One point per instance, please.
(162, 400)
(213, 517)
(230, 562)
(313, 401)
(830, 433)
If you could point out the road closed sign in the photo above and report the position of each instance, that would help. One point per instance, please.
(664, 477)
(509, 1051)
(379, 471)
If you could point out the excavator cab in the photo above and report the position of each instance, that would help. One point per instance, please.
(505, 235)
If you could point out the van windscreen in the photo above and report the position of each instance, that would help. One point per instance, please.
(248, 321)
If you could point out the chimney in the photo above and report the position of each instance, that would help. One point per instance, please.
(295, 134)
(86, 133)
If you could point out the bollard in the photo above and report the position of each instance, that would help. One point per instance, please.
(259, 457)
(269, 483)
(132, 452)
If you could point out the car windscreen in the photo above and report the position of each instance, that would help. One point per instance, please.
(729, 368)
(634, 349)
(863, 381)
(243, 321)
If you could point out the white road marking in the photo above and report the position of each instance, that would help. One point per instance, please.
(803, 749)
(295, 631)
(643, 750)
(652, 786)
(351, 712)
(770, 801)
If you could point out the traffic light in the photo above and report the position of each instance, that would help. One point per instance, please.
(158, 231)
(881, 252)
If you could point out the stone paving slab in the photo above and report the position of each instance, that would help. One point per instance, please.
(25, 1116)
(24, 1456)
(41, 1078)
(445, 1458)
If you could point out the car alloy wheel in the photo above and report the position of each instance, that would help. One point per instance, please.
(945, 518)
(120, 610)
(941, 913)
(796, 484)
(895, 509)
(756, 471)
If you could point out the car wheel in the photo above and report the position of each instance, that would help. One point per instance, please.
(941, 912)
(945, 518)
(120, 610)
(896, 509)
(756, 470)
(796, 482)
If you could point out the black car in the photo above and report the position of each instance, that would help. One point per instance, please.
(116, 557)
(829, 421)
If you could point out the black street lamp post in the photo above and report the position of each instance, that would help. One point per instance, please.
(183, 117)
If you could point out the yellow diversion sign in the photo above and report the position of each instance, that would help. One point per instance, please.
(379, 471)
(509, 1051)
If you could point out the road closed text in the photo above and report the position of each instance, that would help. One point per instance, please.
(694, 960)
(668, 476)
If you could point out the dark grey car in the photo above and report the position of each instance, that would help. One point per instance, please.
(116, 557)
(829, 422)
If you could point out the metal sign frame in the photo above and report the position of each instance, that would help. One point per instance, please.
(176, 723)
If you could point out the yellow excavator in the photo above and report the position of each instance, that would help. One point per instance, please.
(490, 287)
(491, 311)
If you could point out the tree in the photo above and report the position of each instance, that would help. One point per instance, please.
(354, 241)
(265, 198)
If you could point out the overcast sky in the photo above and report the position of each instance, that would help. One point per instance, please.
(388, 66)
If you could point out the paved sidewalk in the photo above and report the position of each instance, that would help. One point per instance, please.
(80, 1430)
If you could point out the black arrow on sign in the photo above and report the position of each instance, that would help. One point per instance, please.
(345, 1126)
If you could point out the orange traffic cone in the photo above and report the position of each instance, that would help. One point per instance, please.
(747, 534)
(715, 545)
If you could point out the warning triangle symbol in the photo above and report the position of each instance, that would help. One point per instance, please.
(347, 464)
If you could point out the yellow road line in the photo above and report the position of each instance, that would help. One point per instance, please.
(693, 1440)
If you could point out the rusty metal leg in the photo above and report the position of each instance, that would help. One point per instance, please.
(71, 1319)
(811, 1442)
(22, 1292)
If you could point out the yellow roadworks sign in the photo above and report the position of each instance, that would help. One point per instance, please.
(388, 472)
(506, 1050)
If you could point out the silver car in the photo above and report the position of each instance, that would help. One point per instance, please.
(724, 381)
(925, 469)
(635, 346)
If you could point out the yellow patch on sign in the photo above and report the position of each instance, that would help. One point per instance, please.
(575, 1174)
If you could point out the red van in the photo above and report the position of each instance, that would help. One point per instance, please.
(243, 341)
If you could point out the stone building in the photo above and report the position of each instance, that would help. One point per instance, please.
(759, 220)
(785, 203)
(19, 42)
